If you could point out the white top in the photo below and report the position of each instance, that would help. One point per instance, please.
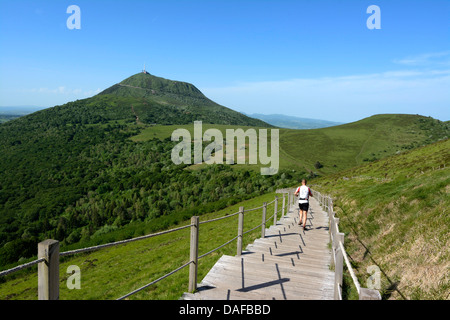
(303, 193)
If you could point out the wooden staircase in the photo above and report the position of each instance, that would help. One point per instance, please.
(288, 264)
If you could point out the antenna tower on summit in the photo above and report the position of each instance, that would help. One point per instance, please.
(144, 71)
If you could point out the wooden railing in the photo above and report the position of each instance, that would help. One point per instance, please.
(49, 254)
(339, 255)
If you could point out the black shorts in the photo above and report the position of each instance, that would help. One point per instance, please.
(304, 206)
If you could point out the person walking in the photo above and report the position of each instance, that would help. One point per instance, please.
(304, 192)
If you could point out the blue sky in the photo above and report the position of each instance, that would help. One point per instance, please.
(312, 59)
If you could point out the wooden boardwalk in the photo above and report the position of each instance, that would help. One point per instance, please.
(288, 264)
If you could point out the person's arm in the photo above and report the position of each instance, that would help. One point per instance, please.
(297, 191)
(310, 193)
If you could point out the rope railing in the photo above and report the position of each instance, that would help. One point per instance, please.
(112, 244)
(221, 246)
(21, 267)
(339, 255)
(254, 209)
(156, 281)
(49, 255)
(221, 218)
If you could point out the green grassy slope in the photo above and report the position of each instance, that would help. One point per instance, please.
(349, 145)
(394, 213)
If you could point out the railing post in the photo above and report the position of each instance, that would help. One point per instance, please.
(48, 271)
(284, 205)
(275, 211)
(291, 199)
(338, 273)
(193, 267)
(240, 231)
(263, 227)
(288, 202)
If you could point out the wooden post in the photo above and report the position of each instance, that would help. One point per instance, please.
(284, 205)
(193, 267)
(240, 231)
(288, 201)
(338, 272)
(263, 227)
(337, 236)
(275, 211)
(291, 200)
(48, 271)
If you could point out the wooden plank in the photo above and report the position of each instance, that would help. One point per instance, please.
(298, 269)
(299, 280)
(277, 287)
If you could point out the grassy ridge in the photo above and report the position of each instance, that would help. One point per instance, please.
(113, 272)
(341, 147)
(394, 213)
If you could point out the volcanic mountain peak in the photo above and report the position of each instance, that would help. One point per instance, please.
(150, 84)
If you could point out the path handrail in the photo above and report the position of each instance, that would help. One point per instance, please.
(112, 244)
(339, 255)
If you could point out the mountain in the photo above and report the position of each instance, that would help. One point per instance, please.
(290, 122)
(152, 99)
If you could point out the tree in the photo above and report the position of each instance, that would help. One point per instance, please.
(318, 165)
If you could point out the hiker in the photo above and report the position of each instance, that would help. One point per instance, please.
(303, 202)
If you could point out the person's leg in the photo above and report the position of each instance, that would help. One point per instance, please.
(305, 214)
(300, 214)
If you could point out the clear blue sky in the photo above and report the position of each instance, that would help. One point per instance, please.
(313, 59)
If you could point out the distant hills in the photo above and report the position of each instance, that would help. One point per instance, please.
(11, 113)
(290, 122)
(19, 110)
